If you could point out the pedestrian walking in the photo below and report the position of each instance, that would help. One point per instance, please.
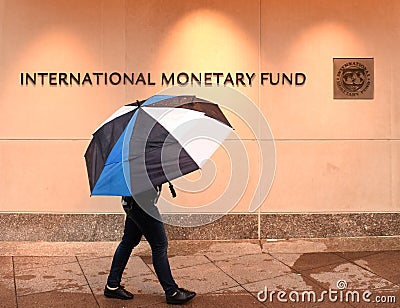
(144, 219)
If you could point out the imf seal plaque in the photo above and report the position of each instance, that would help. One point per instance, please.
(353, 78)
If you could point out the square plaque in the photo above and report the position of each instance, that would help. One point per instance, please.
(353, 78)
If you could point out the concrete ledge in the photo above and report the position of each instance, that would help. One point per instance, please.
(109, 227)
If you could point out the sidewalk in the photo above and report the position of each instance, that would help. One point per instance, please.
(224, 274)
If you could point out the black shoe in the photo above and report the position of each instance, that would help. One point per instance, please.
(180, 297)
(119, 293)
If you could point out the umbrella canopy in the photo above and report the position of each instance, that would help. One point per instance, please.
(148, 143)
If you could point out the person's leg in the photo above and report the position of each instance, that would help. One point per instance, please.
(130, 239)
(154, 232)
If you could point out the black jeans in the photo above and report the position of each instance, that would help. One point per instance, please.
(137, 224)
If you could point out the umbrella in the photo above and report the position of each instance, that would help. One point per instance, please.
(147, 143)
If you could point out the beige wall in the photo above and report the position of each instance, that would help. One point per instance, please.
(332, 155)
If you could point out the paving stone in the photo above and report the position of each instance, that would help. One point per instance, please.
(235, 300)
(295, 304)
(63, 249)
(233, 290)
(385, 299)
(139, 300)
(354, 255)
(50, 278)
(385, 264)
(187, 248)
(291, 282)
(333, 244)
(191, 247)
(250, 268)
(97, 270)
(145, 285)
(146, 290)
(7, 293)
(7, 288)
(22, 263)
(203, 278)
(72, 297)
(299, 291)
(6, 265)
(222, 273)
(179, 261)
(229, 250)
(308, 260)
(370, 243)
(349, 275)
(293, 246)
(186, 261)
